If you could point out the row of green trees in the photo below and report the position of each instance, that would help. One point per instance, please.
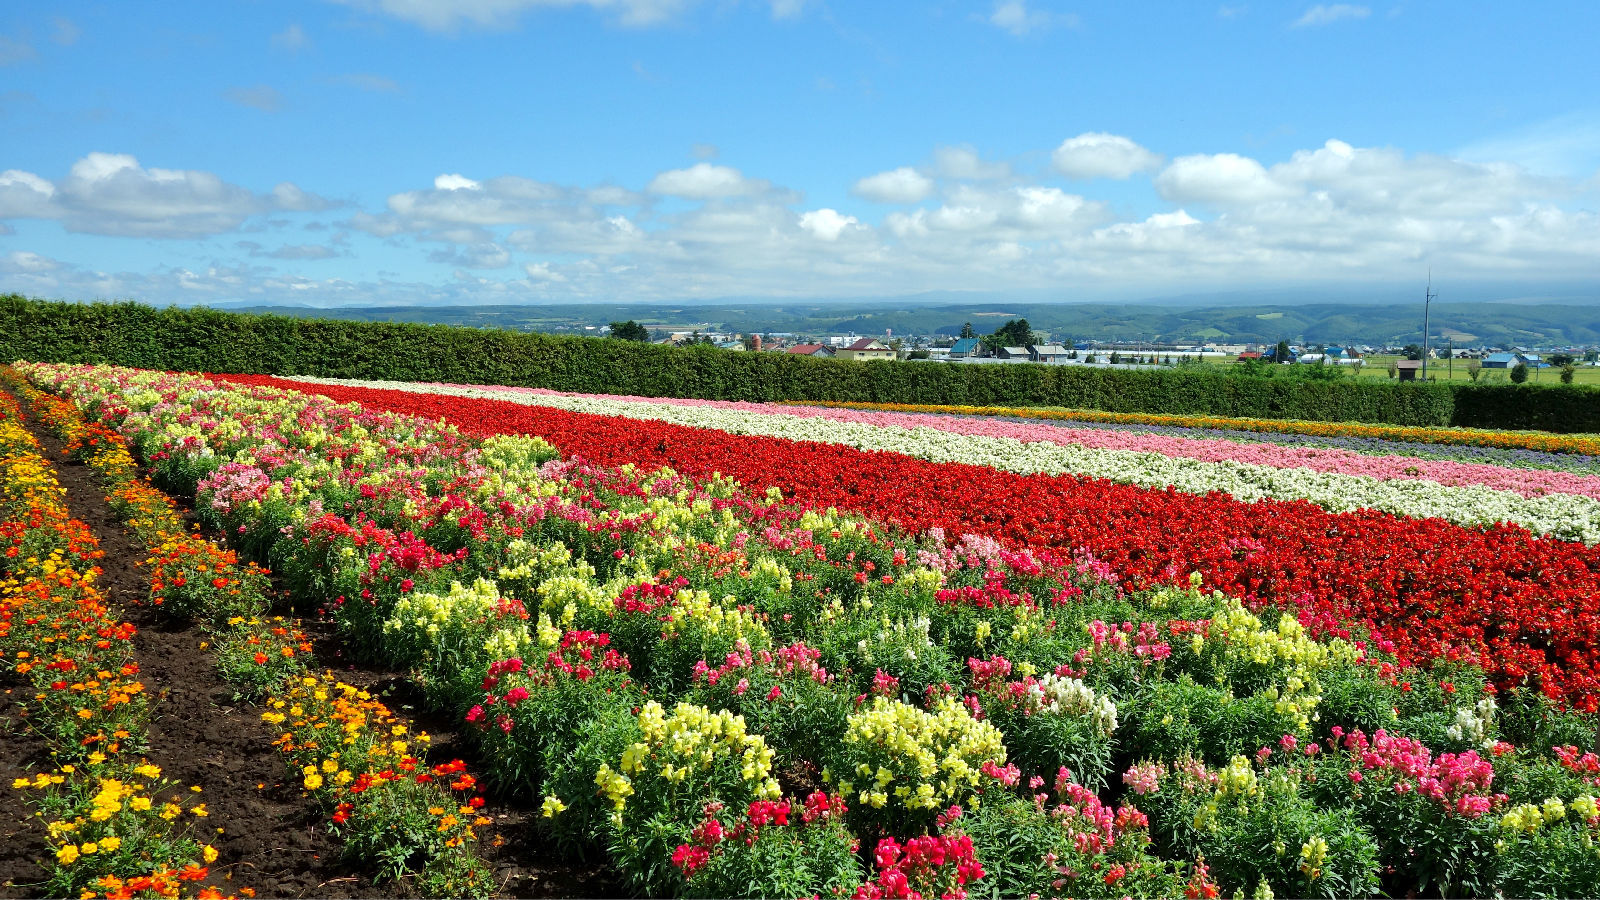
(208, 340)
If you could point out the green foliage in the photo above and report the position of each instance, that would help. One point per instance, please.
(207, 340)
(629, 331)
(1014, 333)
(1519, 373)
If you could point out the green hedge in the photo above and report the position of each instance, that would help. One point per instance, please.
(207, 340)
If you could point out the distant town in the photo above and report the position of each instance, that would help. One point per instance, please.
(1015, 342)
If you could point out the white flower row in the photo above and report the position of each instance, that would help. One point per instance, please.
(1564, 516)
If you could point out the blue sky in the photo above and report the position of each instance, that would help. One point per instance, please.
(506, 151)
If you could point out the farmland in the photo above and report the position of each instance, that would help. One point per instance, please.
(726, 648)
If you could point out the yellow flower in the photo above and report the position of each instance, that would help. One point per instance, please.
(210, 854)
(313, 781)
(67, 855)
(110, 843)
(89, 847)
(171, 811)
(139, 804)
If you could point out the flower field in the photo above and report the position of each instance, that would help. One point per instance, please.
(1563, 504)
(893, 654)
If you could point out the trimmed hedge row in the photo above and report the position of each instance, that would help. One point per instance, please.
(133, 334)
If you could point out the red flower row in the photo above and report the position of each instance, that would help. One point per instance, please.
(1521, 607)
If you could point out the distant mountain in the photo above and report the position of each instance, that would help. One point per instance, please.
(1392, 322)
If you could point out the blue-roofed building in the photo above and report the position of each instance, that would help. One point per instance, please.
(965, 348)
(1510, 360)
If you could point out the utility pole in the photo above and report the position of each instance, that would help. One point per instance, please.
(1450, 365)
(1427, 298)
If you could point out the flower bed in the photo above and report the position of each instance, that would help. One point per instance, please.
(113, 820)
(1520, 498)
(1519, 606)
(264, 658)
(1469, 437)
(732, 692)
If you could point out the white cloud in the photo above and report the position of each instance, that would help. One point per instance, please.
(964, 163)
(451, 15)
(455, 183)
(24, 195)
(543, 272)
(1096, 154)
(1333, 212)
(26, 261)
(292, 39)
(902, 185)
(1048, 207)
(703, 181)
(261, 96)
(1015, 16)
(827, 224)
(110, 193)
(1222, 179)
(290, 198)
(1327, 14)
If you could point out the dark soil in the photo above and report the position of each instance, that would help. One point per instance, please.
(22, 835)
(268, 836)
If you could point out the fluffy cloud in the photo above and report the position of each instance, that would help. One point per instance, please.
(1327, 14)
(1096, 154)
(110, 193)
(455, 183)
(704, 181)
(1221, 179)
(827, 224)
(902, 185)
